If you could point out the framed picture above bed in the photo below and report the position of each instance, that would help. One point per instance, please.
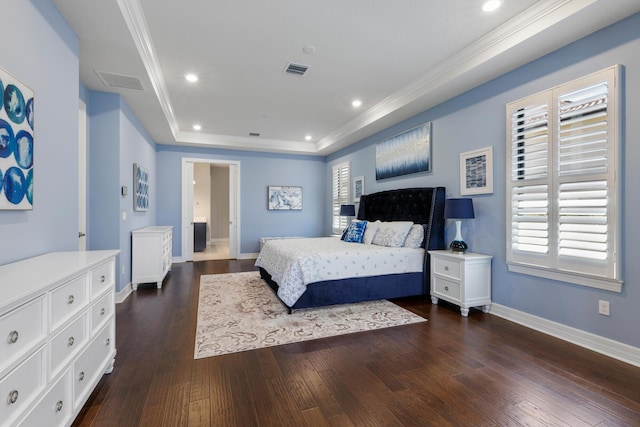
(476, 172)
(405, 153)
(284, 198)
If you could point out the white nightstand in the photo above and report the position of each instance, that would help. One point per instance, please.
(462, 279)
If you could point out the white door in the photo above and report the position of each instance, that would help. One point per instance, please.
(233, 211)
(82, 177)
(187, 211)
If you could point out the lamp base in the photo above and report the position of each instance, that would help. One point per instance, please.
(458, 246)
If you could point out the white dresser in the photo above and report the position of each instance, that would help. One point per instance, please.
(461, 278)
(57, 335)
(151, 255)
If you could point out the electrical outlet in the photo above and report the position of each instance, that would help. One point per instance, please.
(122, 270)
(603, 307)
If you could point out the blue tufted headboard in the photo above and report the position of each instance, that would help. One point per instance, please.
(423, 205)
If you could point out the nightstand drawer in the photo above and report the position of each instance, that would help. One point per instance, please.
(446, 267)
(447, 288)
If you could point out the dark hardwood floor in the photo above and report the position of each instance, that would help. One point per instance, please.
(449, 371)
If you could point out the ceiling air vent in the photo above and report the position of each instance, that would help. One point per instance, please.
(120, 81)
(297, 69)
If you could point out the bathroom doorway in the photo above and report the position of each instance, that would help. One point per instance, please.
(210, 209)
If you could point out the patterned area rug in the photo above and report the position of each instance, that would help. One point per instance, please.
(239, 312)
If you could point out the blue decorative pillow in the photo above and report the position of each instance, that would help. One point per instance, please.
(355, 232)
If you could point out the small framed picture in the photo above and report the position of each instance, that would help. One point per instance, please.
(358, 188)
(476, 172)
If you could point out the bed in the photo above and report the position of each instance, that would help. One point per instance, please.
(423, 206)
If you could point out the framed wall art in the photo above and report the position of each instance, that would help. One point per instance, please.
(358, 188)
(476, 172)
(141, 186)
(406, 153)
(284, 198)
(16, 144)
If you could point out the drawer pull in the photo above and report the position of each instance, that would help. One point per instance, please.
(107, 342)
(446, 288)
(13, 337)
(81, 376)
(13, 397)
(70, 341)
(446, 268)
(102, 278)
(102, 311)
(59, 406)
(70, 299)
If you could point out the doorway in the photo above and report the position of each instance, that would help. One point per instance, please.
(210, 209)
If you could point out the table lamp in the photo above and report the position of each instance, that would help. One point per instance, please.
(458, 209)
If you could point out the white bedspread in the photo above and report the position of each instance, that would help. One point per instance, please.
(294, 263)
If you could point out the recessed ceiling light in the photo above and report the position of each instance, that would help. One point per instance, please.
(307, 138)
(197, 127)
(491, 5)
(356, 103)
(191, 78)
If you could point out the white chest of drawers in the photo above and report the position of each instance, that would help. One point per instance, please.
(151, 255)
(462, 279)
(57, 335)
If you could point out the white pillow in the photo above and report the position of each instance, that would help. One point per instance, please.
(392, 234)
(415, 237)
(370, 232)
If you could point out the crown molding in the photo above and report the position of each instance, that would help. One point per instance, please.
(541, 16)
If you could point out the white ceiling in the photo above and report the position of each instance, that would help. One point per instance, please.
(399, 57)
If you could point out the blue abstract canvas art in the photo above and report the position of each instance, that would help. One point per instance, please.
(405, 153)
(16, 144)
(141, 185)
(284, 198)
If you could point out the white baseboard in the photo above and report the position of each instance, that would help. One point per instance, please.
(615, 349)
(124, 293)
(219, 241)
(248, 256)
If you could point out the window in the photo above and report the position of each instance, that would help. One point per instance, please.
(340, 196)
(564, 186)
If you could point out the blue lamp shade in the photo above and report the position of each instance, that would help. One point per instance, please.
(347, 210)
(458, 209)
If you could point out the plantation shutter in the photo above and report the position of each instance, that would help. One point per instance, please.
(563, 191)
(584, 211)
(530, 181)
(340, 196)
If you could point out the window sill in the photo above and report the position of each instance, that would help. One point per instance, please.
(573, 278)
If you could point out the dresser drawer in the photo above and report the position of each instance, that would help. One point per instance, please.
(102, 277)
(101, 312)
(22, 386)
(446, 267)
(68, 300)
(67, 343)
(90, 365)
(20, 330)
(54, 409)
(446, 288)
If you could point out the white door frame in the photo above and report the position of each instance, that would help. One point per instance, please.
(82, 176)
(187, 205)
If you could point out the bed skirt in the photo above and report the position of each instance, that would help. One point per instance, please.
(356, 289)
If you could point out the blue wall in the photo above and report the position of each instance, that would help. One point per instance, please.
(475, 120)
(257, 171)
(41, 50)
